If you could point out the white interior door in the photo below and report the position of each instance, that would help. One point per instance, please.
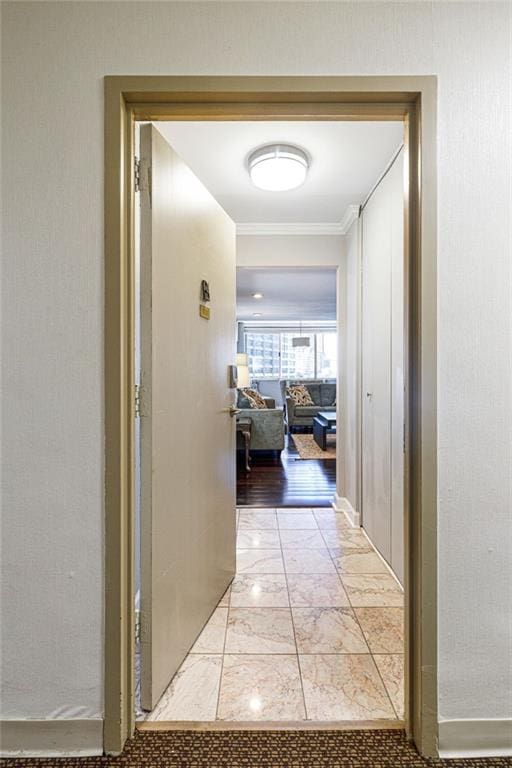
(382, 368)
(376, 394)
(397, 368)
(187, 434)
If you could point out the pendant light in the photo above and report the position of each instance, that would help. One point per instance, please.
(301, 341)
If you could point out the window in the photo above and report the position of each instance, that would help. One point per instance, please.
(326, 355)
(272, 355)
(297, 362)
(263, 354)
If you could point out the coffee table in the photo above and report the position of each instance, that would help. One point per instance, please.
(323, 423)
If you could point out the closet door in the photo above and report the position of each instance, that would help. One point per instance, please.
(397, 368)
(382, 368)
(376, 370)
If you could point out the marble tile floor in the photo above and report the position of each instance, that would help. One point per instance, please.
(311, 629)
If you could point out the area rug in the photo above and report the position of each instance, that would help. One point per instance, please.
(262, 749)
(308, 449)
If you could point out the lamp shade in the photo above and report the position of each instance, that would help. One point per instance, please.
(242, 364)
(243, 376)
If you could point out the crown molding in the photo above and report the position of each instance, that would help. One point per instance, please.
(291, 228)
(350, 215)
(301, 228)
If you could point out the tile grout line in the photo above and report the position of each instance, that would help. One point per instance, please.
(352, 608)
(384, 682)
(227, 617)
(361, 628)
(293, 624)
(340, 578)
(371, 653)
(223, 651)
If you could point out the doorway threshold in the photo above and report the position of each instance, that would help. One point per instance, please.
(297, 725)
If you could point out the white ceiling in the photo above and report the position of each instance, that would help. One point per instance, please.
(288, 293)
(346, 160)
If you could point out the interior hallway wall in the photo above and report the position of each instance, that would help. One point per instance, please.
(55, 55)
(347, 459)
(290, 250)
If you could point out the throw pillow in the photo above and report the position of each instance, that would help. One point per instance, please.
(300, 395)
(254, 398)
(242, 400)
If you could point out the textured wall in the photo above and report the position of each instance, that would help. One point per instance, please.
(54, 58)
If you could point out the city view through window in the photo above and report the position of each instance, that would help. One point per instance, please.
(273, 355)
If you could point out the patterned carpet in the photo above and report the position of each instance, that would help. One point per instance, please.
(263, 749)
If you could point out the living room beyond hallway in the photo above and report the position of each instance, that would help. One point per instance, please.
(286, 483)
(287, 358)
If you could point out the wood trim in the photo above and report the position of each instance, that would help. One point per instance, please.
(119, 425)
(412, 99)
(296, 725)
(229, 110)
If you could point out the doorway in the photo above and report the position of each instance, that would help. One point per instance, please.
(343, 95)
(310, 593)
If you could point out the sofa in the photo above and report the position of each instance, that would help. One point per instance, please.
(323, 394)
(267, 425)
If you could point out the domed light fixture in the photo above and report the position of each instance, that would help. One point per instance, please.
(278, 167)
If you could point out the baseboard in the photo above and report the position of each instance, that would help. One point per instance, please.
(341, 504)
(475, 738)
(51, 738)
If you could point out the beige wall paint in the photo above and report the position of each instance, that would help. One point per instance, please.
(54, 58)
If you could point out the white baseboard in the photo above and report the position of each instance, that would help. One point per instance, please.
(51, 738)
(341, 504)
(475, 738)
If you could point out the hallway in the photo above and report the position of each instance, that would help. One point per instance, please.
(310, 630)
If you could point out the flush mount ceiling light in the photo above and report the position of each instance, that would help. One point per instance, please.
(257, 295)
(278, 167)
(257, 314)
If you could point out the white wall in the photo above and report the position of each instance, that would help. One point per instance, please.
(347, 459)
(54, 58)
(289, 250)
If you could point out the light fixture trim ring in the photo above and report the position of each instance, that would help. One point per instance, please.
(274, 151)
(262, 163)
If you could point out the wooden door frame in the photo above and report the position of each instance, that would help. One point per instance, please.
(411, 99)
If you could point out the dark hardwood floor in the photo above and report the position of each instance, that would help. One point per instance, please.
(290, 482)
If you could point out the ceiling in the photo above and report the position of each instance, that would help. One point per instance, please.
(288, 293)
(346, 160)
